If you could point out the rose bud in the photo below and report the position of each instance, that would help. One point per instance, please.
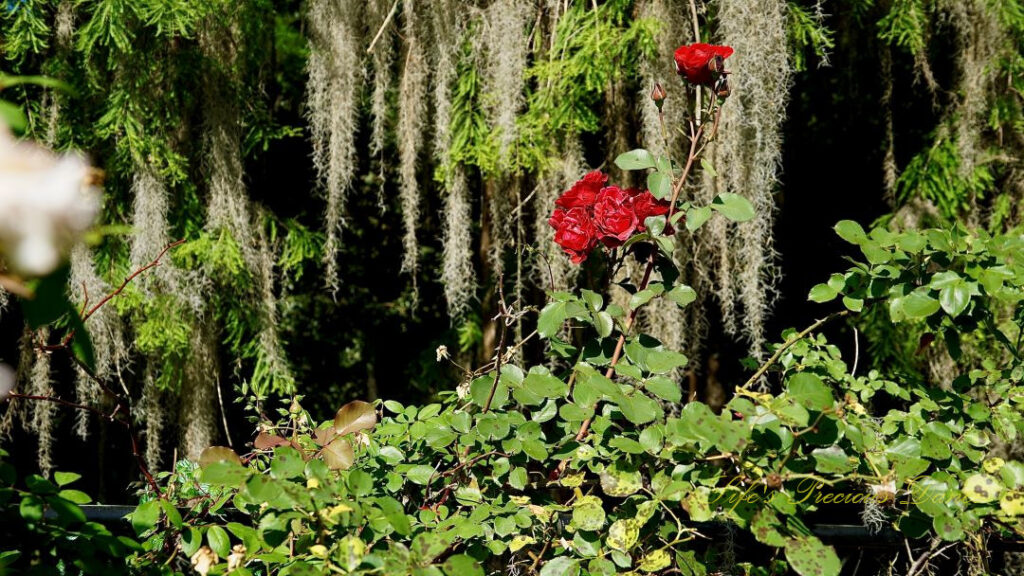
(658, 94)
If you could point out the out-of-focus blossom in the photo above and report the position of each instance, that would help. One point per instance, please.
(6, 381)
(204, 559)
(46, 203)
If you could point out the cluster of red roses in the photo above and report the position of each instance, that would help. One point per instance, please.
(591, 212)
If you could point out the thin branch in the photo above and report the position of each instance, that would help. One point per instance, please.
(778, 353)
(380, 32)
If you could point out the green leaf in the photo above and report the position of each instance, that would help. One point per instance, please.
(543, 384)
(807, 556)
(75, 496)
(696, 217)
(145, 517)
(219, 541)
(810, 392)
(65, 478)
(955, 297)
(665, 388)
(708, 167)
(638, 408)
(851, 231)
(734, 207)
(822, 293)
(638, 159)
(551, 318)
(31, 508)
(395, 515)
(588, 513)
(644, 296)
(660, 185)
(918, 304)
(480, 390)
(682, 295)
(832, 460)
(561, 566)
(420, 474)
(462, 565)
(13, 116)
(604, 324)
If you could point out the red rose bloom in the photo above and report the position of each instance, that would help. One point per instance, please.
(692, 61)
(574, 232)
(583, 192)
(614, 216)
(646, 205)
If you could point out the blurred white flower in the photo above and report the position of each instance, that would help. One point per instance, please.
(6, 381)
(46, 204)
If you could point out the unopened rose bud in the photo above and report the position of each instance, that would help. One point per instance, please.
(722, 89)
(658, 94)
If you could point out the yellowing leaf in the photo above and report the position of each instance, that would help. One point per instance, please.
(354, 417)
(655, 561)
(623, 534)
(982, 489)
(519, 542)
(218, 454)
(992, 465)
(1012, 503)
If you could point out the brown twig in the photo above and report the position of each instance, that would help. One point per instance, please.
(778, 353)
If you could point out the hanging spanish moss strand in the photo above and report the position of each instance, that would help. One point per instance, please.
(271, 352)
(457, 273)
(750, 146)
(228, 208)
(106, 330)
(714, 264)
(674, 30)
(64, 24)
(41, 384)
(151, 411)
(505, 41)
(412, 110)
(335, 74)
(197, 418)
(889, 169)
(383, 58)
(981, 39)
(149, 223)
(447, 27)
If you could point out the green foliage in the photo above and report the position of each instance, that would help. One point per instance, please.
(808, 33)
(934, 175)
(43, 529)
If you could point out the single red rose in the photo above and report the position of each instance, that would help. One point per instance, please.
(646, 205)
(583, 192)
(694, 61)
(574, 232)
(614, 216)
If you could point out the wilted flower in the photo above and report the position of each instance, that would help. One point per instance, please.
(46, 204)
(204, 559)
(236, 558)
(442, 352)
